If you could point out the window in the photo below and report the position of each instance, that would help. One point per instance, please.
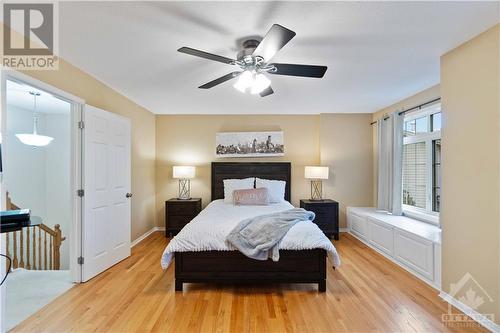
(415, 126)
(422, 162)
(436, 121)
(436, 174)
(415, 175)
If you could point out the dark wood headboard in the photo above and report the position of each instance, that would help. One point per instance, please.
(240, 170)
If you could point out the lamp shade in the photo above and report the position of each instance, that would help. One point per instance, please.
(183, 172)
(34, 139)
(316, 172)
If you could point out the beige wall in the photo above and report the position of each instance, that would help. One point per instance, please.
(346, 147)
(470, 215)
(407, 103)
(190, 140)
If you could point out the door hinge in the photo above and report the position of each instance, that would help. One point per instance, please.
(81, 124)
(80, 193)
(81, 260)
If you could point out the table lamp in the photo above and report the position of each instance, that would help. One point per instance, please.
(184, 174)
(316, 174)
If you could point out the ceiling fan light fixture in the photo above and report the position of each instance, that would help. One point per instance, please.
(260, 83)
(252, 81)
(245, 81)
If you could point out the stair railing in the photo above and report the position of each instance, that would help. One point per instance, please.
(34, 248)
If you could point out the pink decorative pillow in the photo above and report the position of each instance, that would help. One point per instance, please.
(251, 197)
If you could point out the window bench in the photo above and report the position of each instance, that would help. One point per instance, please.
(412, 244)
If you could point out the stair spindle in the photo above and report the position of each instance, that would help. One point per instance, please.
(21, 252)
(39, 248)
(28, 256)
(34, 248)
(15, 263)
(7, 236)
(51, 254)
(45, 251)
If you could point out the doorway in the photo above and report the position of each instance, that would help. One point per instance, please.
(44, 169)
(39, 174)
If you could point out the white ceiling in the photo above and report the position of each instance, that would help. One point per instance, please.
(18, 95)
(376, 52)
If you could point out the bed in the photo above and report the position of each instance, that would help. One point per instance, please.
(230, 266)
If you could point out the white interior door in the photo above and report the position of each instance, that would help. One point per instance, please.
(106, 201)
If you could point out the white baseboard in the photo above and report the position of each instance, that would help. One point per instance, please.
(146, 234)
(343, 229)
(478, 317)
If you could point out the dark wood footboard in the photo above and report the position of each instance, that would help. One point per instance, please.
(305, 266)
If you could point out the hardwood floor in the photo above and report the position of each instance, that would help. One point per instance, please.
(368, 293)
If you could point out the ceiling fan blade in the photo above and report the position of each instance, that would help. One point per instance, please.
(299, 70)
(267, 91)
(206, 55)
(277, 37)
(220, 80)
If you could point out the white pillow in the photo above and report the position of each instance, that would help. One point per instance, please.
(276, 189)
(230, 185)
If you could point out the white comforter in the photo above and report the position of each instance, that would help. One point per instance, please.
(208, 231)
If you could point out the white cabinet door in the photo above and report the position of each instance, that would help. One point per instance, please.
(415, 252)
(381, 236)
(107, 173)
(358, 225)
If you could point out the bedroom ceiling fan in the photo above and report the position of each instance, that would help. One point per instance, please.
(254, 60)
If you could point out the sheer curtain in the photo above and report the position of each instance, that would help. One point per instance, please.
(390, 163)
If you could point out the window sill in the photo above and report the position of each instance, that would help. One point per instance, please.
(421, 216)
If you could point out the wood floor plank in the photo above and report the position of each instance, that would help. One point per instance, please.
(368, 293)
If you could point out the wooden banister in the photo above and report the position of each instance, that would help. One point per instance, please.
(30, 257)
(10, 205)
(58, 239)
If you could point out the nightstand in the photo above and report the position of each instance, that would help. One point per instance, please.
(327, 215)
(180, 212)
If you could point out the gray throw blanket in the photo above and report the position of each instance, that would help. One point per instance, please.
(259, 237)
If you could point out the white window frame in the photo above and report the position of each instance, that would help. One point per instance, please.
(427, 214)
